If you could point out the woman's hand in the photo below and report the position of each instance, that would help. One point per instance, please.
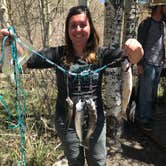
(133, 49)
(4, 32)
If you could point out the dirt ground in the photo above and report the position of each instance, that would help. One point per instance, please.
(135, 148)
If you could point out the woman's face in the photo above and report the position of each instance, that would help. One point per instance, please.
(79, 31)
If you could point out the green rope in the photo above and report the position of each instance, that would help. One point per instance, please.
(84, 73)
(19, 92)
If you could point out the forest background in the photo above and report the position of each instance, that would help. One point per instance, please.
(38, 23)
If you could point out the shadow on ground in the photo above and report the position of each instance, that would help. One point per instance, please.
(139, 148)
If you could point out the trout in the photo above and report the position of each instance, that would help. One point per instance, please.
(92, 120)
(79, 119)
(126, 86)
(69, 112)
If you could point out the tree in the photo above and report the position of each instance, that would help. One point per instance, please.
(83, 2)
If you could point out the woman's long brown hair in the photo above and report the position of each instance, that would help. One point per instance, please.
(92, 43)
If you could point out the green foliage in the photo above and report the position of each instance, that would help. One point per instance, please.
(42, 153)
(40, 136)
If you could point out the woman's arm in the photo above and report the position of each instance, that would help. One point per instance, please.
(131, 49)
(29, 59)
(44, 56)
(111, 54)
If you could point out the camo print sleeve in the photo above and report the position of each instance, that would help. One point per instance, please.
(52, 53)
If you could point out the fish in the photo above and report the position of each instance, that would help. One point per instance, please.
(69, 112)
(79, 119)
(92, 120)
(127, 84)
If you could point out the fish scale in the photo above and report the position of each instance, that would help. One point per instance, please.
(79, 119)
(126, 85)
(92, 120)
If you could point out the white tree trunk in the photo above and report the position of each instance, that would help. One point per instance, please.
(3, 14)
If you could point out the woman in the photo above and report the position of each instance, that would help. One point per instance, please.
(79, 89)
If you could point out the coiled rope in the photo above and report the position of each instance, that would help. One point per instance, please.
(19, 94)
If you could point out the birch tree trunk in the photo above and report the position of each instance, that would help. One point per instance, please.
(4, 19)
(113, 36)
